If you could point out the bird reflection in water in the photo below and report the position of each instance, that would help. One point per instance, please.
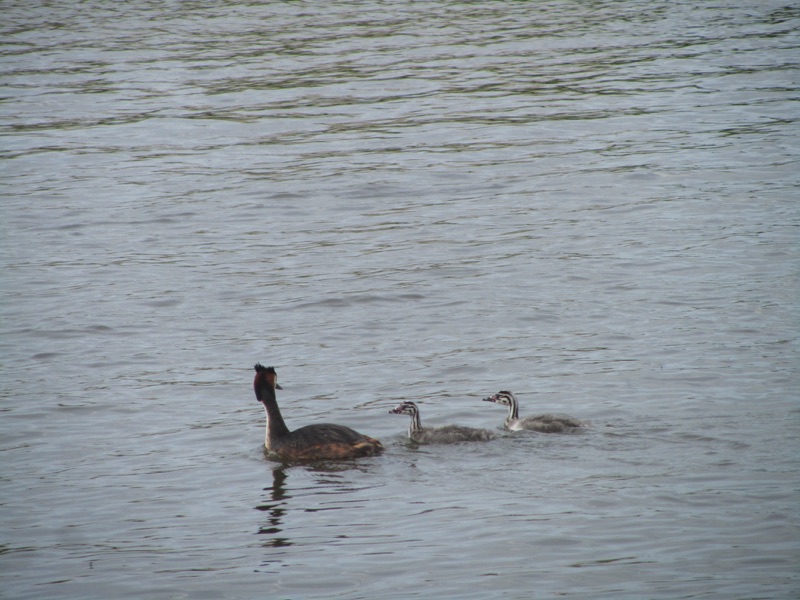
(276, 511)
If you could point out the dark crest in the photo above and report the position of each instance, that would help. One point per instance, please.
(262, 369)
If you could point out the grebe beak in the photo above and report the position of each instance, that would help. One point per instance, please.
(489, 399)
(278, 386)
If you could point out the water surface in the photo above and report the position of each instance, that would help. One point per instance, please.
(593, 204)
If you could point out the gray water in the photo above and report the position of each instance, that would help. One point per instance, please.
(593, 204)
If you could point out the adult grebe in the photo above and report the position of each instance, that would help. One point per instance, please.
(446, 434)
(322, 441)
(541, 423)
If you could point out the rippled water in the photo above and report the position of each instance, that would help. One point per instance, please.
(593, 204)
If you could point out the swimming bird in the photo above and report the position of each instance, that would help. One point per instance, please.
(542, 423)
(321, 441)
(446, 434)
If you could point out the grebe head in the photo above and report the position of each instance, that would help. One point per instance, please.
(405, 408)
(265, 376)
(504, 397)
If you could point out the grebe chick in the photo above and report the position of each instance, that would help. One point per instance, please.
(541, 423)
(446, 434)
(322, 441)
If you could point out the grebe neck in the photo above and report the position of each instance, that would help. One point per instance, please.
(416, 423)
(513, 408)
(276, 427)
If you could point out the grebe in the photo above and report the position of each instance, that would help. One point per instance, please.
(541, 423)
(446, 434)
(322, 441)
